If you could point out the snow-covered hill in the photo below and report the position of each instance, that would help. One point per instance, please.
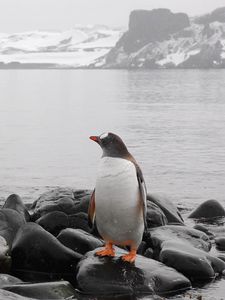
(161, 39)
(78, 47)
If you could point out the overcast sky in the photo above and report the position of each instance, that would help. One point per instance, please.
(23, 15)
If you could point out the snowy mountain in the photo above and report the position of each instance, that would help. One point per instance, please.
(78, 47)
(161, 39)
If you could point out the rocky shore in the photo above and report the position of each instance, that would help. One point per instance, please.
(47, 251)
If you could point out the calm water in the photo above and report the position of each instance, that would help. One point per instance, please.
(173, 121)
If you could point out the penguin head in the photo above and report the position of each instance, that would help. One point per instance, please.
(111, 144)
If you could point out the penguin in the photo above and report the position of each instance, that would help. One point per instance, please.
(118, 202)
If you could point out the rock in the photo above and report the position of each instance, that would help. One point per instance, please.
(169, 209)
(208, 209)
(5, 259)
(216, 15)
(195, 264)
(220, 243)
(151, 26)
(61, 199)
(185, 250)
(10, 222)
(181, 234)
(155, 216)
(113, 276)
(79, 221)
(79, 240)
(54, 222)
(6, 295)
(15, 202)
(36, 250)
(204, 229)
(46, 290)
(6, 280)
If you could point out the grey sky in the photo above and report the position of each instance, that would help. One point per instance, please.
(24, 15)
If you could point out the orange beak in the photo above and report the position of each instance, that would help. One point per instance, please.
(94, 138)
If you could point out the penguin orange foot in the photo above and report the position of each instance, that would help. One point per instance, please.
(108, 251)
(130, 257)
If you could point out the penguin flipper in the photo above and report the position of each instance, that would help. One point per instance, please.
(91, 210)
(143, 193)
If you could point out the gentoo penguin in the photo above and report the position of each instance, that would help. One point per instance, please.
(118, 202)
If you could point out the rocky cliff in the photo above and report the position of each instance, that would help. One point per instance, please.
(162, 39)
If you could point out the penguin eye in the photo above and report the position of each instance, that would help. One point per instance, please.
(104, 136)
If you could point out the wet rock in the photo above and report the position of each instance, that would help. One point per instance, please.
(6, 280)
(204, 229)
(220, 243)
(79, 221)
(113, 276)
(185, 249)
(6, 295)
(171, 212)
(61, 199)
(208, 209)
(36, 250)
(46, 290)
(155, 216)
(79, 240)
(5, 259)
(54, 222)
(15, 202)
(181, 234)
(10, 222)
(195, 264)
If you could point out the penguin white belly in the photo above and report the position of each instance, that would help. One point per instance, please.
(119, 215)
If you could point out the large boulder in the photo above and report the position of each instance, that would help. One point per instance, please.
(220, 243)
(46, 290)
(216, 15)
(54, 222)
(166, 205)
(208, 209)
(113, 276)
(10, 222)
(15, 202)
(79, 221)
(156, 237)
(155, 216)
(6, 295)
(36, 250)
(61, 199)
(186, 250)
(5, 259)
(79, 240)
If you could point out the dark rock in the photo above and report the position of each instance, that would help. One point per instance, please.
(181, 234)
(142, 248)
(216, 15)
(169, 209)
(155, 216)
(193, 263)
(113, 276)
(5, 259)
(208, 209)
(6, 295)
(204, 229)
(151, 26)
(79, 240)
(61, 199)
(184, 249)
(220, 243)
(46, 290)
(15, 202)
(79, 221)
(6, 280)
(54, 222)
(36, 250)
(10, 222)
(149, 253)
